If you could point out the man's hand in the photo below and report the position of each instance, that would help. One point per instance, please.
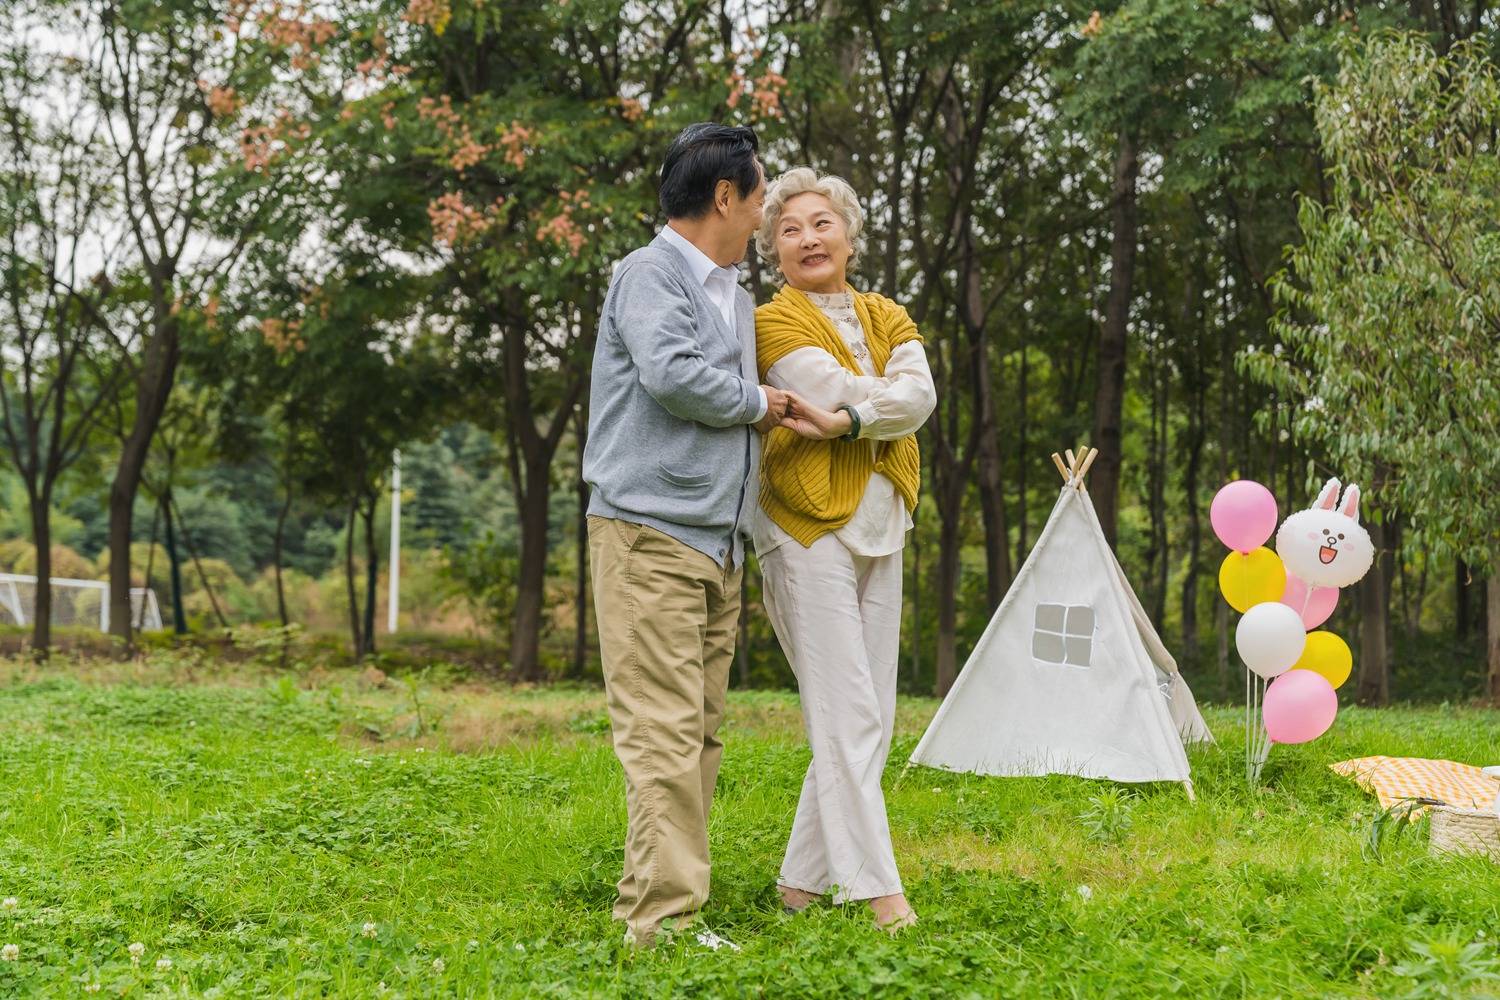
(813, 421)
(775, 412)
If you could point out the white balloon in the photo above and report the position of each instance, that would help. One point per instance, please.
(1270, 638)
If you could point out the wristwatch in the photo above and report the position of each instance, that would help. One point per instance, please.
(854, 423)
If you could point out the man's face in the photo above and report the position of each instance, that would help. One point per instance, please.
(743, 214)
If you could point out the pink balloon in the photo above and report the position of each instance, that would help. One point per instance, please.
(1300, 705)
(1243, 515)
(1315, 607)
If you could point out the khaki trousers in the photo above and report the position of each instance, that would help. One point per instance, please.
(668, 617)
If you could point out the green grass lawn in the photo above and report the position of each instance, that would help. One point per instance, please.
(310, 837)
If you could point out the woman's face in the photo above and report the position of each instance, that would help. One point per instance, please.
(812, 243)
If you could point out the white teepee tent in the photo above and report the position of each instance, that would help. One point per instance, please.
(1069, 677)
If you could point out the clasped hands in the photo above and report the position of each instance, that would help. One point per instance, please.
(789, 410)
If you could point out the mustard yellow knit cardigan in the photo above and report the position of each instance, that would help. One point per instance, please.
(810, 488)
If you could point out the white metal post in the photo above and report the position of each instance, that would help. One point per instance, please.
(395, 594)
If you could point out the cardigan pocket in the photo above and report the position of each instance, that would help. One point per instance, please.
(691, 481)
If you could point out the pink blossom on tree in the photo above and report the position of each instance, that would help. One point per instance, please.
(562, 229)
(434, 13)
(297, 32)
(283, 335)
(514, 140)
(222, 102)
(456, 222)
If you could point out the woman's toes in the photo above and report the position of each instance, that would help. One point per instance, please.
(893, 913)
(796, 900)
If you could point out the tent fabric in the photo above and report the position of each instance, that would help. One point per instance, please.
(1069, 676)
(1399, 779)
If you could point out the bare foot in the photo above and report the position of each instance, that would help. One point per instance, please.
(893, 913)
(796, 900)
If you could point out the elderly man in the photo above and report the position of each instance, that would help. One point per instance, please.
(674, 411)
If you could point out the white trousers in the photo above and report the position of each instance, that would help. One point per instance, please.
(838, 617)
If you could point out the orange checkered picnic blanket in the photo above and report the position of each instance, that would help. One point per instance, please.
(1399, 779)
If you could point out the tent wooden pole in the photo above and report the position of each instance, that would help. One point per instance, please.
(1083, 469)
(1061, 470)
(1188, 787)
(1072, 463)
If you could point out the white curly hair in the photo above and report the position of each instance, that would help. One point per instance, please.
(806, 180)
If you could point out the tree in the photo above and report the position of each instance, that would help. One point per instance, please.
(536, 172)
(54, 332)
(1393, 298)
(187, 97)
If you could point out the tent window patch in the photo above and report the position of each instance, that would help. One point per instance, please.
(1063, 634)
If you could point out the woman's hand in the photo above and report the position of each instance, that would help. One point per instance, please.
(813, 421)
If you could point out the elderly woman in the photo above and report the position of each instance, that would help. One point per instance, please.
(839, 481)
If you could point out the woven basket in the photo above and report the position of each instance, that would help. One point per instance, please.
(1465, 831)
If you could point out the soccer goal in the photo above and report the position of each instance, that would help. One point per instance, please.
(74, 602)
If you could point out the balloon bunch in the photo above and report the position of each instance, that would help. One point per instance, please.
(1281, 596)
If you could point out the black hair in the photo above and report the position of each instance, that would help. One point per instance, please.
(702, 155)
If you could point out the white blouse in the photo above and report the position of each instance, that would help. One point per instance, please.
(890, 407)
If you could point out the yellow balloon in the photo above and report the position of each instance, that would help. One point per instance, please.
(1326, 654)
(1250, 578)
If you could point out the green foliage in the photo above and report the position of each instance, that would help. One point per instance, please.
(483, 573)
(1450, 967)
(1108, 817)
(1393, 298)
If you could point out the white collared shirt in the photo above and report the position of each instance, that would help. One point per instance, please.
(719, 284)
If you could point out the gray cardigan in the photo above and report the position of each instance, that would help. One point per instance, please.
(671, 401)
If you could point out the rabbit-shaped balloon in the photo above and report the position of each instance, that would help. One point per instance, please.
(1324, 546)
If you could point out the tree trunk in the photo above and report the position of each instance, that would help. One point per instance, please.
(198, 565)
(41, 612)
(581, 567)
(158, 369)
(987, 452)
(357, 643)
(372, 572)
(1023, 447)
(1194, 529)
(1463, 585)
(1492, 592)
(947, 588)
(1374, 612)
(1483, 618)
(991, 494)
(278, 541)
(531, 579)
(916, 599)
(150, 565)
(1221, 649)
(1158, 556)
(1109, 399)
(174, 570)
(1225, 390)
(529, 453)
